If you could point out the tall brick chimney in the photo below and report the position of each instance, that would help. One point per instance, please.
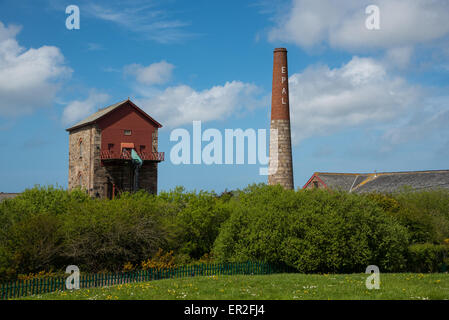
(280, 162)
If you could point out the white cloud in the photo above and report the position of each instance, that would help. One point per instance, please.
(429, 121)
(398, 57)
(360, 93)
(155, 73)
(364, 92)
(179, 105)
(154, 24)
(341, 24)
(29, 79)
(307, 23)
(79, 109)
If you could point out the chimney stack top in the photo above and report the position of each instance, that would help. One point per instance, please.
(280, 50)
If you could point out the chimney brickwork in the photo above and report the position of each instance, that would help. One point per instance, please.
(280, 160)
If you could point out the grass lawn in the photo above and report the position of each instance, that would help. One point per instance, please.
(278, 286)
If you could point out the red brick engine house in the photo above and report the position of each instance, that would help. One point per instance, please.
(114, 150)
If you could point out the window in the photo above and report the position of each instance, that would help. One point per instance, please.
(80, 180)
(110, 146)
(81, 148)
(142, 148)
(127, 132)
(315, 184)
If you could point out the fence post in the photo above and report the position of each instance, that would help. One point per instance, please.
(14, 289)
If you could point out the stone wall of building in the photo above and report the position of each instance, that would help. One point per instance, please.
(97, 178)
(122, 175)
(148, 177)
(155, 140)
(80, 148)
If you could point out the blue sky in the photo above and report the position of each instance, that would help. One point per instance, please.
(361, 100)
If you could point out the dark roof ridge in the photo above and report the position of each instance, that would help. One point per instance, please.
(341, 173)
(420, 171)
(386, 172)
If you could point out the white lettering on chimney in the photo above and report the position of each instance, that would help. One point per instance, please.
(284, 79)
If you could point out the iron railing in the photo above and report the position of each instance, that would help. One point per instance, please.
(35, 286)
(126, 155)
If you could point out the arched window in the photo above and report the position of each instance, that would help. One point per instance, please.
(80, 180)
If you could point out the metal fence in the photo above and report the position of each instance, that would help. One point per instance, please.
(22, 288)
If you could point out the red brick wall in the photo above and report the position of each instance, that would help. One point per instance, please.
(126, 118)
(279, 92)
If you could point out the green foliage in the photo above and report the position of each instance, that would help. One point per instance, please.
(427, 257)
(48, 228)
(104, 235)
(425, 214)
(30, 237)
(313, 231)
(199, 222)
(386, 201)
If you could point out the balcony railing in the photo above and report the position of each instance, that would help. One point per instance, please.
(126, 155)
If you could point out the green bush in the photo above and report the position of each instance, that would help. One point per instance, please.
(427, 257)
(199, 223)
(104, 235)
(30, 236)
(312, 231)
(48, 228)
(425, 214)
